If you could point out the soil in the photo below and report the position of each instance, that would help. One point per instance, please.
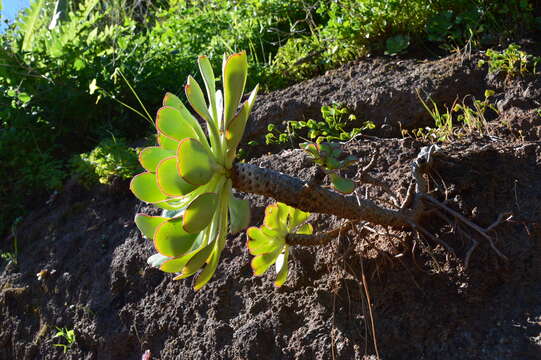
(424, 302)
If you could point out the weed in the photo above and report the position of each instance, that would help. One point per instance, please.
(473, 119)
(67, 335)
(396, 44)
(112, 157)
(511, 61)
(337, 120)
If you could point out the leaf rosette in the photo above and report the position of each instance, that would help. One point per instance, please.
(268, 242)
(188, 173)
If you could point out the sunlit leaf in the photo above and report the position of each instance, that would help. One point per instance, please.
(261, 263)
(168, 143)
(150, 157)
(145, 188)
(170, 238)
(169, 122)
(195, 97)
(207, 272)
(272, 217)
(199, 213)
(263, 242)
(157, 260)
(282, 268)
(147, 224)
(239, 214)
(169, 181)
(341, 184)
(197, 261)
(234, 80)
(195, 164)
(187, 117)
(208, 77)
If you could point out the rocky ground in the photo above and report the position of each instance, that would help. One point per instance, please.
(424, 302)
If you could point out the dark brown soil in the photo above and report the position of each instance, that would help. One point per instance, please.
(425, 303)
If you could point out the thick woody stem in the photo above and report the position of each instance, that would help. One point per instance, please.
(301, 195)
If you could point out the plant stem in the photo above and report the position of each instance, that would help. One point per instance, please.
(307, 197)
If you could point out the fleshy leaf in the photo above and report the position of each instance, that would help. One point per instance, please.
(195, 97)
(199, 213)
(150, 157)
(197, 261)
(187, 117)
(261, 242)
(282, 267)
(170, 122)
(147, 224)
(157, 260)
(169, 181)
(174, 265)
(272, 218)
(207, 272)
(239, 214)
(234, 79)
(296, 217)
(167, 143)
(195, 164)
(172, 100)
(305, 229)
(145, 188)
(208, 77)
(261, 263)
(343, 185)
(171, 240)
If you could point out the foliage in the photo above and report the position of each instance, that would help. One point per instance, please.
(67, 335)
(512, 61)
(112, 157)
(473, 119)
(268, 242)
(337, 120)
(188, 174)
(330, 158)
(396, 44)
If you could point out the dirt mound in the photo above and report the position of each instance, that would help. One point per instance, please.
(424, 302)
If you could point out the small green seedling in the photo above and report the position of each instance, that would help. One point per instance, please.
(330, 158)
(68, 335)
(336, 120)
(268, 242)
(188, 174)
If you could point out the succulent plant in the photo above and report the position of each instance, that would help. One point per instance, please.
(268, 242)
(328, 156)
(188, 174)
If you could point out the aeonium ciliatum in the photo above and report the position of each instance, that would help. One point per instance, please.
(190, 175)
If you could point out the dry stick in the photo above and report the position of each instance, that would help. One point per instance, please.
(474, 226)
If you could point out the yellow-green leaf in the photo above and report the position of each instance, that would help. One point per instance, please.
(195, 164)
(199, 212)
(145, 188)
(196, 98)
(168, 179)
(261, 263)
(234, 79)
(171, 240)
(150, 157)
(147, 224)
(170, 122)
(167, 143)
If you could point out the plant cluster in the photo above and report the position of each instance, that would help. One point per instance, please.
(336, 125)
(330, 158)
(112, 157)
(457, 121)
(69, 337)
(511, 61)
